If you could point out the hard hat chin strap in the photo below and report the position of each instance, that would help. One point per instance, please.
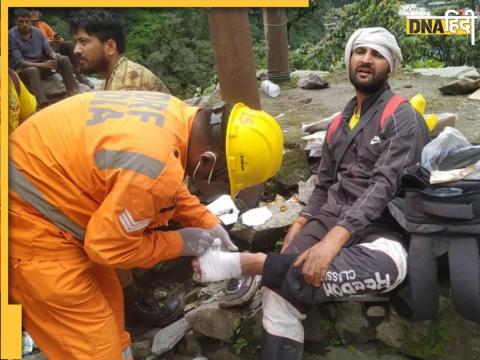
(217, 122)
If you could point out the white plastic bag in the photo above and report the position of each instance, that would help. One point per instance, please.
(27, 343)
(448, 142)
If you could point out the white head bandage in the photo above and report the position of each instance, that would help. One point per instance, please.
(378, 39)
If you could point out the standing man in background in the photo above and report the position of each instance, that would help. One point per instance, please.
(100, 44)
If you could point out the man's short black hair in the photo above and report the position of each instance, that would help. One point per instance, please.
(22, 13)
(102, 24)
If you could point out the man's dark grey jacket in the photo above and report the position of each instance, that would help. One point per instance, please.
(369, 172)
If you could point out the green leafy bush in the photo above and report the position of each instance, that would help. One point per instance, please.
(340, 24)
(175, 45)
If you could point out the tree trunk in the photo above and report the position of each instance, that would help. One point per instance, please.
(277, 43)
(232, 45)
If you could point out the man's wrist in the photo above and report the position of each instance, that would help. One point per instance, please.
(301, 220)
(339, 235)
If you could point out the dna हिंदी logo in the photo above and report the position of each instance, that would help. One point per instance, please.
(453, 23)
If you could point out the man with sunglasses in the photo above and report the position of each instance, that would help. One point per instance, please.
(94, 180)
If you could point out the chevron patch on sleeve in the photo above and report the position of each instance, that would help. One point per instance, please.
(130, 225)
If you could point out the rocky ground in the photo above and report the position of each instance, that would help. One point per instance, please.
(301, 105)
(340, 330)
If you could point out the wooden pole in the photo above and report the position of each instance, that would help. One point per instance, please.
(232, 46)
(277, 44)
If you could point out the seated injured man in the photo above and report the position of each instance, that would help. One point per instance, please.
(344, 242)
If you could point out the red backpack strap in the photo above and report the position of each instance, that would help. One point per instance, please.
(16, 82)
(390, 108)
(333, 127)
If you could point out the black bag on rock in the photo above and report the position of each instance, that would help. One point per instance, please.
(441, 219)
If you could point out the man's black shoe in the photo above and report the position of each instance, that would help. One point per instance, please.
(146, 312)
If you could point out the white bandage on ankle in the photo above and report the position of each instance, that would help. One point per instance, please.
(219, 265)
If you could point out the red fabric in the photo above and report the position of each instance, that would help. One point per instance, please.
(333, 127)
(388, 111)
(390, 108)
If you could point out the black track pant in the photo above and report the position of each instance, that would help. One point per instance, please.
(377, 264)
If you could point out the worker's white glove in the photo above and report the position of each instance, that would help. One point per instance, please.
(218, 231)
(195, 240)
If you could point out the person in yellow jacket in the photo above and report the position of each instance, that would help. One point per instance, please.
(21, 103)
(92, 180)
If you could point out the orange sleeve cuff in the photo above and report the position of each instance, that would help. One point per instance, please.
(209, 221)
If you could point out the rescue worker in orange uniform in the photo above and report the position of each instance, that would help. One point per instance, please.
(92, 179)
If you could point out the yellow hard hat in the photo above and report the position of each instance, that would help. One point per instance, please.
(418, 102)
(431, 120)
(254, 147)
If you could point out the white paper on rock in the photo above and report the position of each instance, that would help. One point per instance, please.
(225, 209)
(257, 216)
(315, 143)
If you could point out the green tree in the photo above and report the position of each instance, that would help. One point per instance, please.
(340, 23)
(174, 44)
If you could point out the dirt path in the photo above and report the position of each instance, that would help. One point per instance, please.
(300, 105)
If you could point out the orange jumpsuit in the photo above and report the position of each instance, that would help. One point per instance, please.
(91, 178)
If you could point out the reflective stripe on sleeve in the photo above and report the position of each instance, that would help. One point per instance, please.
(30, 194)
(140, 163)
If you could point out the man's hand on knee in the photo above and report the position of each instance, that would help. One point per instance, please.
(317, 259)
(54, 56)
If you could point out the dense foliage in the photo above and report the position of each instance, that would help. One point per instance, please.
(417, 50)
(175, 43)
